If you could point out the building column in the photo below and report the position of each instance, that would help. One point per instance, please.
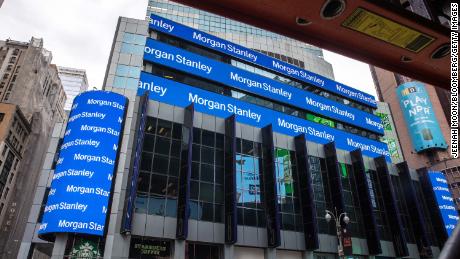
(229, 251)
(59, 246)
(117, 246)
(309, 255)
(24, 250)
(179, 249)
(270, 253)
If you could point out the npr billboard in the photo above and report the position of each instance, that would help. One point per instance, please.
(422, 125)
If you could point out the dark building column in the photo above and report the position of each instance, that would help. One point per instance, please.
(126, 221)
(335, 183)
(413, 205)
(230, 180)
(435, 213)
(359, 172)
(183, 195)
(307, 203)
(269, 191)
(392, 211)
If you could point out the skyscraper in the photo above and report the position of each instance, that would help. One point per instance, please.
(280, 47)
(231, 148)
(74, 82)
(437, 103)
(31, 94)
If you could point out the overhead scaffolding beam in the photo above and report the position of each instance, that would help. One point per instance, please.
(375, 32)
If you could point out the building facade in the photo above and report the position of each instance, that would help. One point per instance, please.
(221, 158)
(29, 82)
(436, 159)
(280, 47)
(74, 82)
(14, 132)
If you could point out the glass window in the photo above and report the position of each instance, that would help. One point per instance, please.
(158, 184)
(122, 70)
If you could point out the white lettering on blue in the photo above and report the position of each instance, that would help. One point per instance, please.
(162, 24)
(232, 108)
(160, 90)
(264, 86)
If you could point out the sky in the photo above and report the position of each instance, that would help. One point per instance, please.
(79, 33)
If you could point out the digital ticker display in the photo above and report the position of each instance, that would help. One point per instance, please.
(79, 195)
(444, 200)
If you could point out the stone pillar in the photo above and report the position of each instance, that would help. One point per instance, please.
(179, 249)
(307, 255)
(270, 253)
(229, 251)
(59, 246)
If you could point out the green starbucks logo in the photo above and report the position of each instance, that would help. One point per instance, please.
(85, 249)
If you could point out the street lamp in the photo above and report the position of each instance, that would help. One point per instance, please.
(346, 220)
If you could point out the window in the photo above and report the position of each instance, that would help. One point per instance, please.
(202, 251)
(250, 211)
(351, 200)
(321, 193)
(403, 212)
(158, 179)
(288, 198)
(206, 190)
(378, 205)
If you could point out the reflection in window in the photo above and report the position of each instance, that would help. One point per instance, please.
(321, 193)
(351, 200)
(288, 198)
(206, 185)
(249, 204)
(158, 178)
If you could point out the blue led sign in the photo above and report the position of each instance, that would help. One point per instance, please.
(422, 125)
(209, 41)
(444, 200)
(180, 59)
(174, 93)
(80, 191)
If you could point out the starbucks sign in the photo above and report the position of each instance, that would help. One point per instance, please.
(85, 249)
(149, 248)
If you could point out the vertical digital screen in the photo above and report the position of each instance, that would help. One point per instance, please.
(444, 200)
(80, 189)
(422, 125)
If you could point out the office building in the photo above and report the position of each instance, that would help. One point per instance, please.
(436, 158)
(31, 89)
(14, 132)
(226, 152)
(74, 82)
(280, 47)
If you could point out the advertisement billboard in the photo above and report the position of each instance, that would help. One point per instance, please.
(174, 93)
(444, 200)
(182, 60)
(80, 191)
(422, 125)
(175, 29)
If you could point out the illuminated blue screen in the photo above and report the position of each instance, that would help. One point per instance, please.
(444, 199)
(80, 190)
(174, 93)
